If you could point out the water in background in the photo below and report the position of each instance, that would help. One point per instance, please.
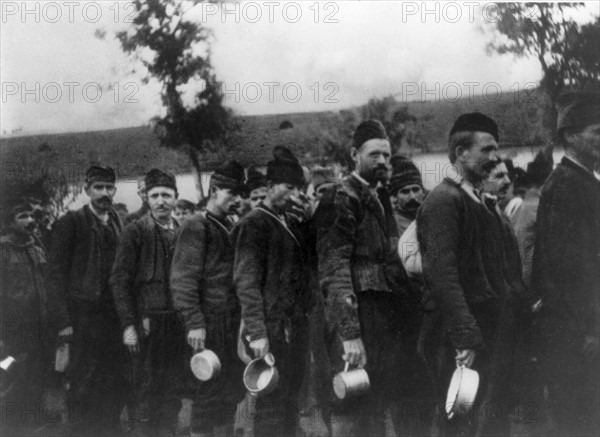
(433, 166)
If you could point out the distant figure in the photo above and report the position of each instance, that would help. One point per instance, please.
(566, 269)
(121, 209)
(406, 191)
(144, 208)
(257, 186)
(524, 219)
(183, 209)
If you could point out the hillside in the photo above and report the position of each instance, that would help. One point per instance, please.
(132, 151)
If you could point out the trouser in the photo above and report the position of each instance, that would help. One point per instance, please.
(97, 370)
(156, 373)
(573, 384)
(215, 401)
(380, 320)
(277, 412)
(490, 412)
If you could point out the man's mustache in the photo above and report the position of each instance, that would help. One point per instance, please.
(30, 227)
(105, 199)
(490, 165)
(412, 204)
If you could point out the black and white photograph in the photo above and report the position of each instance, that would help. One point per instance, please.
(305, 218)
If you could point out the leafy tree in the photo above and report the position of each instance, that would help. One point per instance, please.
(167, 44)
(568, 52)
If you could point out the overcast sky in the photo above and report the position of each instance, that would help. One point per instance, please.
(273, 57)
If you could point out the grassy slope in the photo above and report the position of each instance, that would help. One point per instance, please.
(133, 150)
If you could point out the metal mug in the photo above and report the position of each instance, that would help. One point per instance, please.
(261, 376)
(205, 365)
(462, 391)
(351, 383)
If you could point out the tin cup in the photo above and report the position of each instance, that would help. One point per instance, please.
(205, 365)
(462, 391)
(351, 383)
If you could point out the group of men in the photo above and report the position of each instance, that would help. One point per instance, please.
(313, 275)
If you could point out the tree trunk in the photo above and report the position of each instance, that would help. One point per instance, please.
(197, 171)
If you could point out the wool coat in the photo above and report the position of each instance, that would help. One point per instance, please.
(140, 275)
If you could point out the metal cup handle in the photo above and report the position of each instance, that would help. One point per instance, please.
(269, 359)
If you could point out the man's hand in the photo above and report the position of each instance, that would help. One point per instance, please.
(465, 357)
(260, 347)
(66, 335)
(354, 352)
(590, 347)
(130, 339)
(196, 338)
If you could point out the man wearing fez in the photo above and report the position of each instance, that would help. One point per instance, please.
(406, 191)
(82, 252)
(365, 284)
(257, 187)
(270, 278)
(30, 316)
(202, 285)
(152, 331)
(566, 268)
(464, 271)
(141, 192)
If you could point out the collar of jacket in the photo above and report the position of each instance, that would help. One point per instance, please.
(577, 167)
(92, 220)
(271, 214)
(210, 216)
(367, 198)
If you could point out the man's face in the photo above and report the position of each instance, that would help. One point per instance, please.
(372, 160)
(101, 194)
(257, 196)
(180, 214)
(498, 182)
(161, 201)
(480, 159)
(142, 191)
(24, 223)
(408, 198)
(281, 195)
(587, 144)
(226, 200)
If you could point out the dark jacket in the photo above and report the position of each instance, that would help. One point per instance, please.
(80, 259)
(463, 261)
(566, 259)
(140, 273)
(27, 307)
(524, 224)
(270, 275)
(358, 253)
(202, 270)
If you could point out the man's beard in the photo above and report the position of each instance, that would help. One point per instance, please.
(376, 174)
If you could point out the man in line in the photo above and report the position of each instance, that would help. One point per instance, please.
(566, 269)
(82, 253)
(257, 186)
(406, 191)
(152, 331)
(270, 278)
(464, 271)
(30, 318)
(365, 283)
(202, 284)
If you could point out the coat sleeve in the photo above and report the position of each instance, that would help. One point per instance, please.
(250, 244)
(187, 272)
(335, 250)
(438, 232)
(122, 277)
(60, 257)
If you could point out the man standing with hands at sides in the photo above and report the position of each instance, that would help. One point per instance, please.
(365, 283)
(463, 268)
(202, 286)
(271, 280)
(82, 253)
(151, 328)
(566, 268)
